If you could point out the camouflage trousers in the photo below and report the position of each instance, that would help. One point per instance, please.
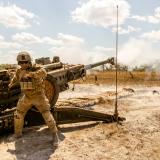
(25, 103)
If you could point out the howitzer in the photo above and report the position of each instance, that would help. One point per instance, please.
(58, 76)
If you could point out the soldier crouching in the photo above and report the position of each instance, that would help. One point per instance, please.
(31, 79)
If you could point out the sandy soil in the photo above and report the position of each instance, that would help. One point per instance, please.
(138, 138)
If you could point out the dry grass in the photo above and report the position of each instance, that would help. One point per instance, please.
(108, 77)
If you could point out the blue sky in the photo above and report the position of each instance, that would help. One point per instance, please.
(80, 31)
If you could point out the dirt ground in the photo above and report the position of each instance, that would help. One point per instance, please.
(137, 138)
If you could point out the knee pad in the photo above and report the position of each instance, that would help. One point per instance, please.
(18, 114)
(48, 117)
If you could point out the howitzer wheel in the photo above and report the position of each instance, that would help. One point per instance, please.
(51, 89)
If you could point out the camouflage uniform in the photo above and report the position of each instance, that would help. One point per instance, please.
(31, 82)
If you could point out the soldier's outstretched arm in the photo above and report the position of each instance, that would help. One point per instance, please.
(14, 80)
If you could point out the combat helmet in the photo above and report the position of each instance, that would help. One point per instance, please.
(23, 56)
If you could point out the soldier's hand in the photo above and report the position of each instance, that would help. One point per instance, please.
(31, 74)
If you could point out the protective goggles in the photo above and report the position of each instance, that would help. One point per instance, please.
(23, 62)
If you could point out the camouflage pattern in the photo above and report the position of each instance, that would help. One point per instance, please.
(31, 82)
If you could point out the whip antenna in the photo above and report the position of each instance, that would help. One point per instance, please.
(116, 100)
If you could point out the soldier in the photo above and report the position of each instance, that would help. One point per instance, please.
(31, 82)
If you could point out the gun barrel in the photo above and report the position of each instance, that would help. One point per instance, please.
(90, 66)
(53, 66)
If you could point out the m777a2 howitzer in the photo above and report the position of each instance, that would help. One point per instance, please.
(58, 76)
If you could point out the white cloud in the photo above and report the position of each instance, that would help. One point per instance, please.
(137, 52)
(139, 18)
(101, 12)
(155, 18)
(157, 12)
(64, 44)
(9, 45)
(69, 54)
(69, 39)
(103, 49)
(26, 38)
(126, 31)
(4, 44)
(7, 58)
(51, 41)
(75, 50)
(1, 38)
(15, 17)
(80, 54)
(71, 49)
(153, 36)
(62, 39)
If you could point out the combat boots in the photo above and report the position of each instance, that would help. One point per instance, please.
(17, 136)
(56, 140)
(14, 137)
